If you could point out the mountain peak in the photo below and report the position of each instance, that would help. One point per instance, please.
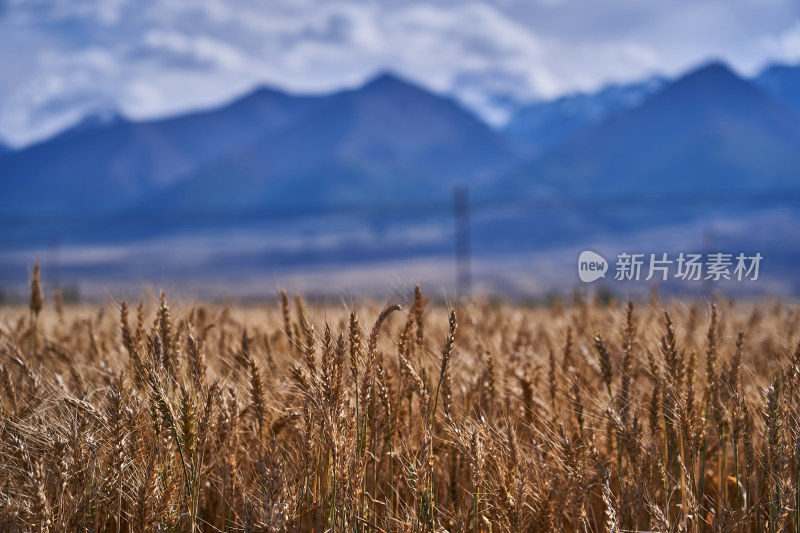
(388, 80)
(263, 92)
(711, 86)
(711, 74)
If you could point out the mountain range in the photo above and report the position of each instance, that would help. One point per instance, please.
(113, 163)
(708, 132)
(541, 125)
(388, 155)
(390, 140)
(387, 140)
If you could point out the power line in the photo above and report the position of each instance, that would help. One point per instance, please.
(463, 266)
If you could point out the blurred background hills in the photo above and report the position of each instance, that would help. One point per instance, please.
(359, 182)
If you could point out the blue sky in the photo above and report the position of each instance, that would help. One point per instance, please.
(60, 59)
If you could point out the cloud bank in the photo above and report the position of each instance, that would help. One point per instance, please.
(62, 59)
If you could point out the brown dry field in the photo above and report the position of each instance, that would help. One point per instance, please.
(475, 416)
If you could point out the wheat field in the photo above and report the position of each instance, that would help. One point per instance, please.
(479, 416)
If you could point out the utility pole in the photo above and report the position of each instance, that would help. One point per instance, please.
(54, 260)
(463, 266)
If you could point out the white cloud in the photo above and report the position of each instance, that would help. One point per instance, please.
(153, 54)
(786, 45)
(62, 58)
(176, 49)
